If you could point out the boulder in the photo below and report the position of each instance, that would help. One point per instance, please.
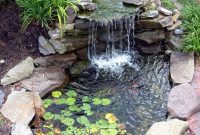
(20, 106)
(66, 27)
(148, 24)
(21, 129)
(194, 122)
(175, 25)
(149, 14)
(58, 46)
(196, 77)
(82, 24)
(133, 2)
(45, 47)
(151, 36)
(175, 42)
(183, 101)
(171, 127)
(78, 67)
(44, 80)
(55, 34)
(182, 67)
(164, 11)
(89, 7)
(166, 21)
(19, 72)
(63, 61)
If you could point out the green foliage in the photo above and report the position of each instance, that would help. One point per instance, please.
(106, 102)
(168, 4)
(191, 25)
(44, 12)
(47, 103)
(48, 116)
(56, 94)
(68, 121)
(71, 93)
(70, 101)
(96, 101)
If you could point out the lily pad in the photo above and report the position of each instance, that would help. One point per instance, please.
(96, 101)
(88, 112)
(68, 121)
(61, 101)
(106, 101)
(86, 99)
(83, 121)
(71, 93)
(56, 94)
(74, 108)
(70, 101)
(48, 116)
(47, 103)
(86, 106)
(66, 113)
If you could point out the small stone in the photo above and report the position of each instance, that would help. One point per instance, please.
(168, 52)
(175, 25)
(20, 106)
(2, 96)
(19, 72)
(171, 127)
(149, 14)
(21, 129)
(58, 46)
(133, 2)
(178, 31)
(55, 34)
(167, 21)
(183, 101)
(2, 61)
(44, 80)
(66, 27)
(45, 47)
(164, 11)
(182, 67)
(194, 122)
(90, 7)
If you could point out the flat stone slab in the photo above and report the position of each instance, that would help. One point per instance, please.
(183, 101)
(171, 127)
(182, 67)
(194, 123)
(20, 106)
(196, 78)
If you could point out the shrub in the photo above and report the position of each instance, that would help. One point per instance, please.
(44, 12)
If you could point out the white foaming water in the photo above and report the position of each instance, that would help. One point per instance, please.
(113, 64)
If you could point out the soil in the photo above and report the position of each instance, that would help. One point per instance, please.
(15, 45)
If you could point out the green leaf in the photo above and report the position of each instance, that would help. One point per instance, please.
(61, 101)
(102, 123)
(88, 112)
(96, 101)
(86, 106)
(47, 103)
(56, 94)
(74, 108)
(70, 101)
(66, 113)
(68, 121)
(106, 101)
(48, 116)
(83, 121)
(86, 99)
(71, 93)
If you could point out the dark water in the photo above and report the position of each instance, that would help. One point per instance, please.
(139, 94)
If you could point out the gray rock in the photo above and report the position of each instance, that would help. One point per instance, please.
(19, 72)
(176, 15)
(21, 129)
(2, 61)
(176, 42)
(82, 24)
(182, 67)
(66, 27)
(63, 61)
(166, 21)
(55, 34)
(133, 2)
(149, 14)
(148, 24)
(150, 49)
(164, 11)
(90, 7)
(171, 127)
(175, 25)
(183, 101)
(2, 96)
(178, 31)
(82, 53)
(20, 106)
(78, 67)
(44, 80)
(58, 46)
(151, 36)
(45, 47)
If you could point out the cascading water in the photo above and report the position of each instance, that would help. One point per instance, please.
(117, 46)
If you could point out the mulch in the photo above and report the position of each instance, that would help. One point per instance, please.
(15, 45)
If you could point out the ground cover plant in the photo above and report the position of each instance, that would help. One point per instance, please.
(78, 117)
(44, 12)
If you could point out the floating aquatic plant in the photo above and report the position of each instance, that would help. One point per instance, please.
(96, 101)
(48, 116)
(106, 101)
(47, 103)
(56, 94)
(70, 101)
(71, 93)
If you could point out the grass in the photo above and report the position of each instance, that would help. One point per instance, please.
(191, 25)
(168, 4)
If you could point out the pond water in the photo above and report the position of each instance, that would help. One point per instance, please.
(138, 94)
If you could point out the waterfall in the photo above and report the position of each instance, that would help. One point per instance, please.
(115, 38)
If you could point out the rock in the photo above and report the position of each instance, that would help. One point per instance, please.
(171, 127)
(167, 21)
(194, 122)
(133, 2)
(58, 46)
(164, 11)
(176, 42)
(151, 36)
(196, 77)
(2, 96)
(148, 24)
(82, 53)
(82, 24)
(78, 67)
(149, 14)
(19, 72)
(66, 27)
(71, 15)
(21, 129)
(178, 31)
(63, 61)
(176, 16)
(183, 102)
(89, 7)
(44, 80)
(55, 34)
(182, 67)
(20, 106)
(175, 25)
(151, 6)
(45, 47)
(2, 61)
